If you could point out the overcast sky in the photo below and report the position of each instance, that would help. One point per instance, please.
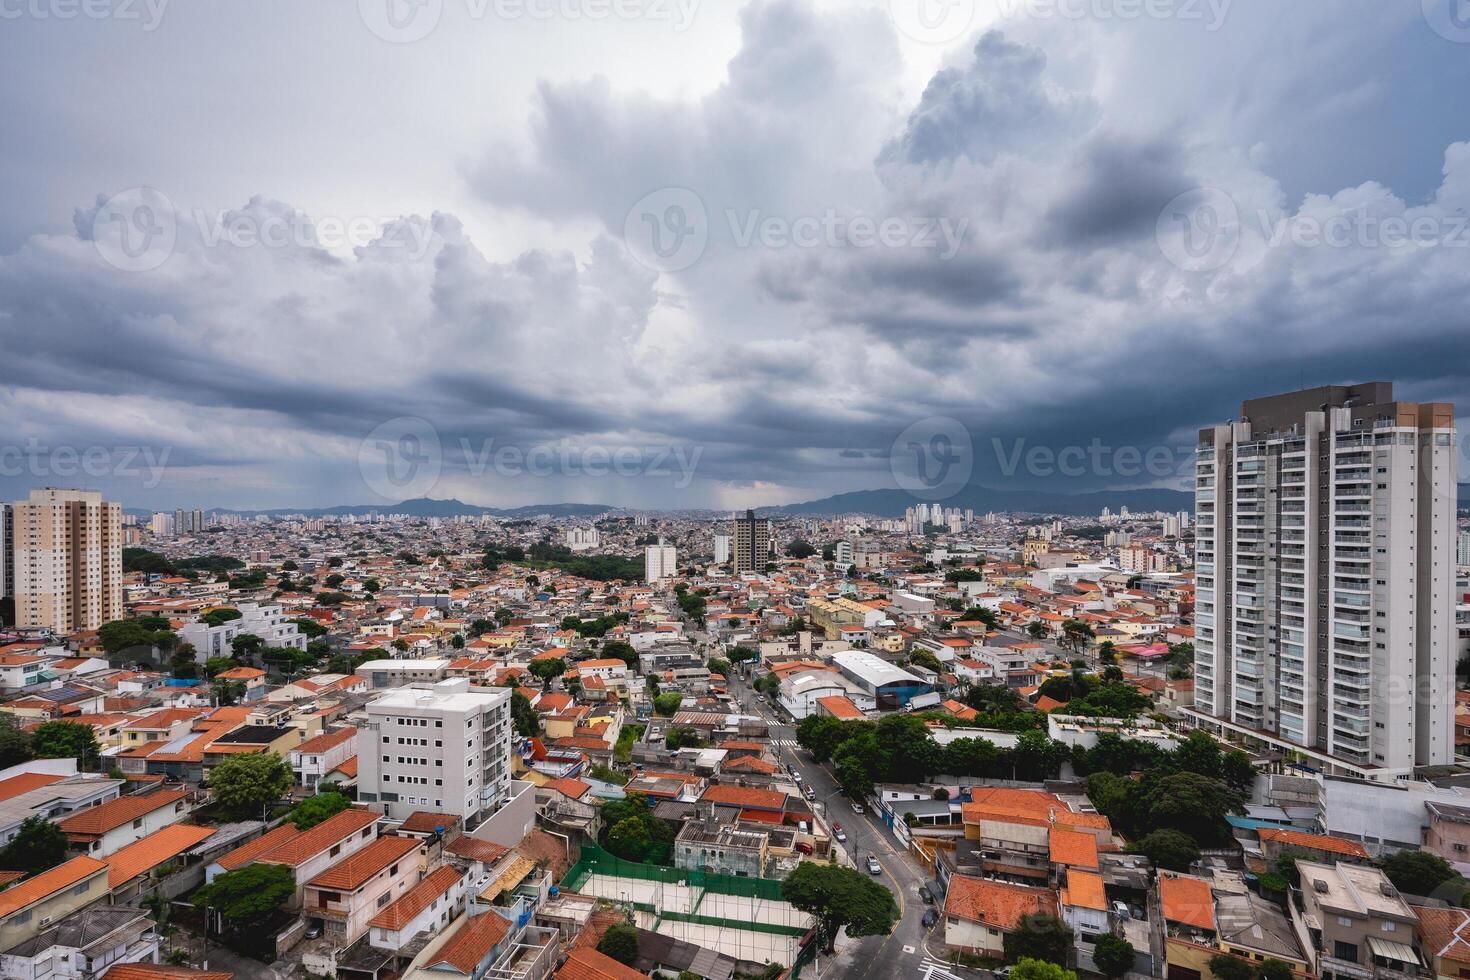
(673, 253)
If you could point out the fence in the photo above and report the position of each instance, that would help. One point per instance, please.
(595, 860)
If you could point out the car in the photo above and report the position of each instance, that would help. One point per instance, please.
(931, 916)
(926, 895)
(1002, 974)
(857, 808)
(808, 792)
(1120, 909)
(838, 833)
(874, 868)
(314, 931)
(796, 776)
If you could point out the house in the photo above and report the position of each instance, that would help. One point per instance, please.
(1353, 922)
(1084, 905)
(19, 670)
(32, 905)
(131, 868)
(1444, 939)
(351, 892)
(589, 964)
(428, 907)
(83, 945)
(315, 759)
(466, 951)
(51, 796)
(306, 852)
(979, 912)
(104, 829)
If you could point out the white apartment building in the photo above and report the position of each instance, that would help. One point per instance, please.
(1325, 534)
(722, 548)
(583, 538)
(7, 555)
(842, 553)
(659, 562)
(1462, 551)
(67, 560)
(267, 621)
(443, 747)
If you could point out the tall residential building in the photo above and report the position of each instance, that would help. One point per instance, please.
(752, 543)
(659, 562)
(67, 560)
(444, 747)
(583, 538)
(1324, 534)
(722, 548)
(1462, 550)
(7, 559)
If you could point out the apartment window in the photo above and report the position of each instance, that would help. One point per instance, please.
(1345, 951)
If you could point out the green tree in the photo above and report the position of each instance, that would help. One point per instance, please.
(247, 897)
(545, 670)
(629, 838)
(1030, 969)
(667, 703)
(527, 721)
(314, 809)
(220, 615)
(840, 898)
(1227, 967)
(620, 941)
(1113, 955)
(121, 635)
(1421, 873)
(15, 742)
(1273, 969)
(1170, 849)
(65, 740)
(1039, 936)
(37, 845)
(215, 666)
(245, 784)
(682, 737)
(800, 549)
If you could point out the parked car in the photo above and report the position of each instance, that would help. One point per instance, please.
(808, 792)
(314, 930)
(931, 916)
(874, 868)
(857, 808)
(839, 834)
(925, 895)
(796, 776)
(1002, 974)
(1120, 909)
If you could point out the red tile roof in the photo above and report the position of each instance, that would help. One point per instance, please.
(407, 906)
(65, 875)
(329, 740)
(996, 903)
(1187, 900)
(358, 868)
(746, 797)
(472, 942)
(115, 813)
(309, 843)
(155, 849)
(589, 964)
(1317, 842)
(160, 971)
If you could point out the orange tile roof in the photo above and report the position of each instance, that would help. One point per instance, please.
(589, 964)
(840, 706)
(1073, 848)
(1445, 933)
(1316, 842)
(477, 849)
(65, 875)
(158, 847)
(160, 971)
(407, 906)
(1084, 889)
(573, 788)
(472, 942)
(114, 813)
(248, 852)
(326, 741)
(425, 822)
(1187, 900)
(358, 868)
(745, 797)
(25, 782)
(996, 903)
(309, 843)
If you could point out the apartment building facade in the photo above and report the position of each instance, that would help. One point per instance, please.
(1325, 523)
(752, 543)
(66, 560)
(443, 747)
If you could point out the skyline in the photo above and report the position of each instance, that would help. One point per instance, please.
(1061, 245)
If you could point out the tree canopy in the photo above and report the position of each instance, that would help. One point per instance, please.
(620, 941)
(65, 740)
(840, 898)
(314, 809)
(249, 895)
(1039, 936)
(244, 784)
(37, 845)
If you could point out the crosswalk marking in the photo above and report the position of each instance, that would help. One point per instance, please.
(787, 742)
(932, 969)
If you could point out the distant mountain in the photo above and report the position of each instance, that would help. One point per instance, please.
(423, 507)
(892, 503)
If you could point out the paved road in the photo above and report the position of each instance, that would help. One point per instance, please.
(902, 952)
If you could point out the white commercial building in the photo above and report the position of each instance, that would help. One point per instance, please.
(444, 747)
(659, 562)
(722, 548)
(583, 538)
(1325, 530)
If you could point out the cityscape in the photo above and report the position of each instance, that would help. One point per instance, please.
(602, 489)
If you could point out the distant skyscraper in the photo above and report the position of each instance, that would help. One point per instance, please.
(1462, 548)
(752, 543)
(659, 562)
(7, 556)
(68, 560)
(842, 554)
(583, 538)
(162, 525)
(1325, 619)
(722, 548)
